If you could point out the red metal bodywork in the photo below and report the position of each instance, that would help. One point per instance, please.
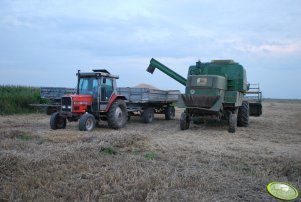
(112, 99)
(80, 103)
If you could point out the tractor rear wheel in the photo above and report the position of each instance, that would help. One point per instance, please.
(86, 122)
(57, 121)
(243, 114)
(148, 115)
(184, 121)
(232, 123)
(117, 115)
(169, 112)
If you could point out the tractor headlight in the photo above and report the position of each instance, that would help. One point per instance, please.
(192, 91)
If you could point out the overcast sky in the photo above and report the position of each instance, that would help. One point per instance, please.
(44, 43)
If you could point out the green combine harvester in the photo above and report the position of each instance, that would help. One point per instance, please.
(214, 90)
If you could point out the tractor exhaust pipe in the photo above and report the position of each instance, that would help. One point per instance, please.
(77, 90)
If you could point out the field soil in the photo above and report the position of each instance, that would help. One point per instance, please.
(150, 162)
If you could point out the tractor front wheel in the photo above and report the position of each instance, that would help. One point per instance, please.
(184, 121)
(118, 114)
(57, 121)
(86, 122)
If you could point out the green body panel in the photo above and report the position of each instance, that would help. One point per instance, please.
(206, 82)
(233, 98)
(215, 108)
(232, 71)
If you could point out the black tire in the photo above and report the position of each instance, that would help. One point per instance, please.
(148, 115)
(232, 123)
(57, 121)
(243, 114)
(86, 122)
(117, 115)
(170, 113)
(184, 121)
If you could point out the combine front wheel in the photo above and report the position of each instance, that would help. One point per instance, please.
(232, 123)
(184, 121)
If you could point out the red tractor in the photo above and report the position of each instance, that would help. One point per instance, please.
(96, 99)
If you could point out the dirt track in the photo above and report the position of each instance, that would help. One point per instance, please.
(204, 163)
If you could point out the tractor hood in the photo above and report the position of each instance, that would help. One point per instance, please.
(76, 103)
(80, 98)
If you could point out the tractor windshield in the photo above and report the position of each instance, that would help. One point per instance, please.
(88, 86)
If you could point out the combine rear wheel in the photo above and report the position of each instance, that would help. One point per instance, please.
(169, 112)
(184, 121)
(86, 122)
(232, 123)
(118, 114)
(57, 121)
(243, 114)
(148, 115)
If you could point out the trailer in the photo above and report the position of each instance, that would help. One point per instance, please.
(146, 102)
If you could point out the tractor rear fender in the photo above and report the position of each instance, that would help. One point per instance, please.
(112, 99)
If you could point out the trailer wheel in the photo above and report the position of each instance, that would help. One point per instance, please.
(232, 123)
(148, 115)
(169, 112)
(57, 121)
(243, 114)
(86, 122)
(184, 121)
(117, 115)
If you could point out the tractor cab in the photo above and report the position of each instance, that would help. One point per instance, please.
(100, 85)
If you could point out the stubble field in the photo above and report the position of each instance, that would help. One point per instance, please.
(150, 162)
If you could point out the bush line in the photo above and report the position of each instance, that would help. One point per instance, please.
(17, 99)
